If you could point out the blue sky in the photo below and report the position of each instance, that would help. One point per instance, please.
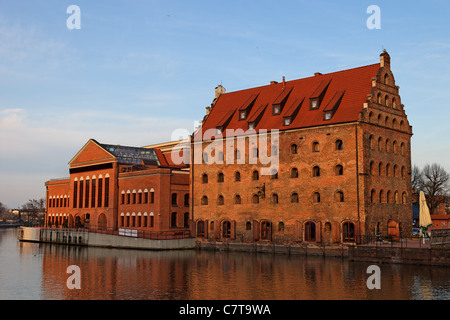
(138, 70)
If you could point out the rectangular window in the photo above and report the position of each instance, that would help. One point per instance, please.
(152, 197)
(86, 200)
(100, 193)
(80, 203)
(174, 199)
(75, 193)
(106, 192)
(94, 189)
(145, 197)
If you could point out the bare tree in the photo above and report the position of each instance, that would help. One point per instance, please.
(416, 178)
(33, 208)
(435, 184)
(3, 210)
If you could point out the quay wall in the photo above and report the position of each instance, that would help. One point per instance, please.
(92, 239)
(417, 256)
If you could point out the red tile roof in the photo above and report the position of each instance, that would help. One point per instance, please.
(352, 86)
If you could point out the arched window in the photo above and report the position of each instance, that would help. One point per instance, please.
(348, 229)
(315, 147)
(371, 117)
(255, 175)
(379, 98)
(204, 200)
(204, 178)
(385, 78)
(393, 103)
(237, 176)
(310, 231)
(255, 199)
(372, 196)
(248, 225)
(389, 196)
(380, 144)
(403, 148)
(294, 197)
(220, 177)
(403, 171)
(339, 144)
(382, 200)
(339, 170)
(220, 200)
(274, 198)
(386, 101)
(316, 197)
(237, 199)
(388, 170)
(395, 171)
(395, 146)
(396, 199)
(316, 171)
(294, 148)
(388, 145)
(372, 168)
(372, 142)
(294, 173)
(404, 199)
(381, 169)
(339, 196)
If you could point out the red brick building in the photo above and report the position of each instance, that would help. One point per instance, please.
(112, 187)
(334, 165)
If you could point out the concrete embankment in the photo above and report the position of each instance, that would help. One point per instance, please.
(92, 239)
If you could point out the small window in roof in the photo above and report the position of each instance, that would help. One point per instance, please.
(314, 104)
(287, 121)
(276, 109)
(251, 126)
(243, 115)
(327, 116)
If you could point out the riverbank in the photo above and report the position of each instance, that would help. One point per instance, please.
(375, 254)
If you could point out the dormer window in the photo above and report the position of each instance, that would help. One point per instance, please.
(314, 104)
(242, 115)
(276, 109)
(287, 121)
(218, 131)
(251, 126)
(327, 115)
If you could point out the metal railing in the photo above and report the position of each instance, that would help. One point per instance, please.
(392, 241)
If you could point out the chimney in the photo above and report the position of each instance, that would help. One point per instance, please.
(385, 59)
(284, 81)
(218, 91)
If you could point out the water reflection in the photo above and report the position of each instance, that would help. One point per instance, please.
(38, 271)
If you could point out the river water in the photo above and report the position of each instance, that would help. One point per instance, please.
(30, 271)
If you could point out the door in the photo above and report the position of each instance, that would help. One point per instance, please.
(393, 230)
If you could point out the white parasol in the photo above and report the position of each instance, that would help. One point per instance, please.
(424, 216)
